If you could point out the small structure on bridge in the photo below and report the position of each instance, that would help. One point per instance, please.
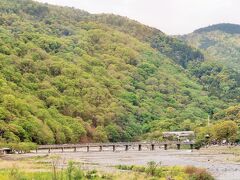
(179, 135)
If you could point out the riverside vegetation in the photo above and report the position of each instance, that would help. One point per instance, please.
(67, 76)
(75, 172)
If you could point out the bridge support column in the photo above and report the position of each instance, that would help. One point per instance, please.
(126, 147)
(165, 146)
(114, 148)
(139, 147)
(88, 148)
(36, 151)
(100, 148)
(49, 150)
(191, 146)
(152, 147)
(178, 146)
(75, 149)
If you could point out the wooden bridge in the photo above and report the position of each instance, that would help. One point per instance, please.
(126, 145)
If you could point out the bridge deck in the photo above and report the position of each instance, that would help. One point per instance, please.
(114, 145)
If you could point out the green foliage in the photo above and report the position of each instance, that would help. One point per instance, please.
(230, 114)
(67, 76)
(219, 43)
(219, 74)
(155, 171)
(113, 133)
(23, 146)
(100, 135)
(225, 130)
(218, 80)
(171, 47)
(152, 168)
(222, 130)
(76, 173)
(155, 135)
(181, 53)
(73, 172)
(70, 170)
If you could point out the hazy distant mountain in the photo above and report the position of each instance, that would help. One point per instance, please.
(219, 43)
(224, 27)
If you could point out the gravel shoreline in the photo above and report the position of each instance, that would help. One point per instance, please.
(215, 163)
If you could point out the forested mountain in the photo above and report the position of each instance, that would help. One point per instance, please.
(219, 42)
(67, 76)
(173, 48)
(220, 72)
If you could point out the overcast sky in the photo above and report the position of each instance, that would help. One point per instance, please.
(170, 16)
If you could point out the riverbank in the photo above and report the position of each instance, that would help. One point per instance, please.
(222, 162)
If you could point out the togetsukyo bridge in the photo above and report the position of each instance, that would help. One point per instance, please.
(114, 146)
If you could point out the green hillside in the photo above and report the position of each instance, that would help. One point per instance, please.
(220, 72)
(219, 42)
(67, 76)
(173, 48)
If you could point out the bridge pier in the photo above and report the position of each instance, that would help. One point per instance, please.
(139, 147)
(152, 147)
(114, 148)
(75, 149)
(49, 150)
(178, 146)
(88, 148)
(165, 146)
(126, 147)
(62, 149)
(36, 151)
(100, 148)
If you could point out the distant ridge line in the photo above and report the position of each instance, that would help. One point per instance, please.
(224, 27)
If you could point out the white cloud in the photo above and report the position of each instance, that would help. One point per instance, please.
(170, 16)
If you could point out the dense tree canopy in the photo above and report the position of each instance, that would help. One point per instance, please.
(67, 76)
(220, 43)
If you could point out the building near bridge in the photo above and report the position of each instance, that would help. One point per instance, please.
(179, 135)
